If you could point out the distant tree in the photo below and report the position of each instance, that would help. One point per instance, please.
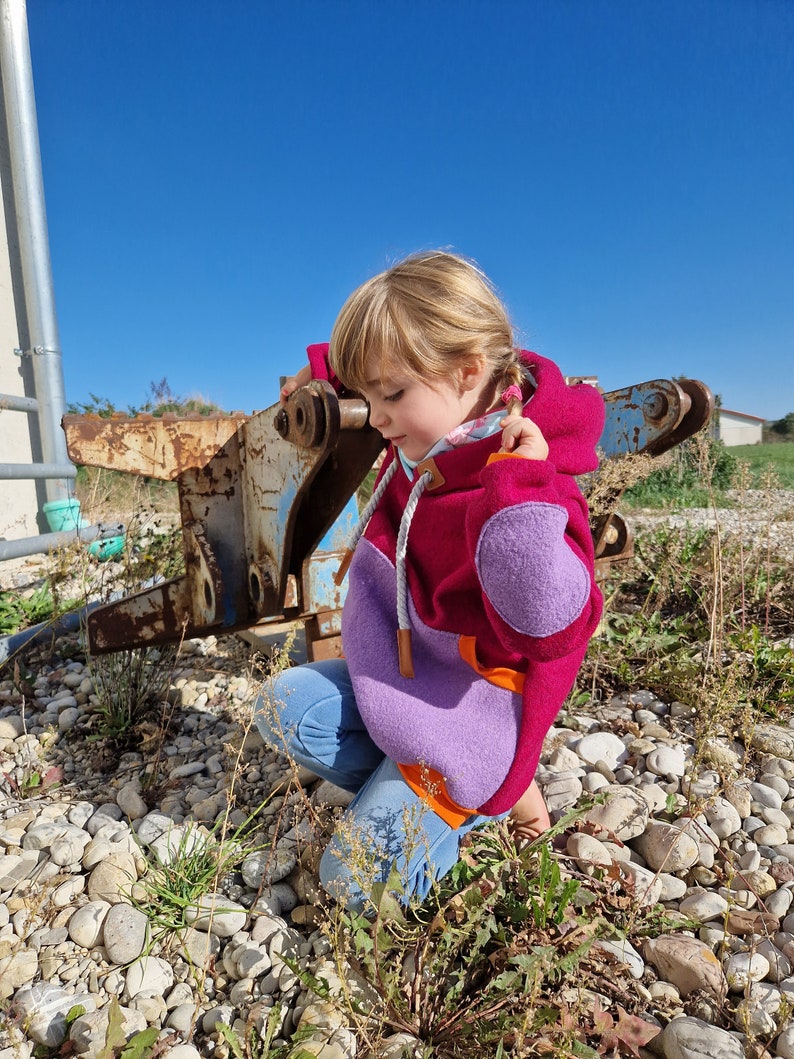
(161, 400)
(784, 427)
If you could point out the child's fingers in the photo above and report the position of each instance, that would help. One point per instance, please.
(294, 382)
(524, 437)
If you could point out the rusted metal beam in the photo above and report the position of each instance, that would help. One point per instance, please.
(259, 497)
(256, 496)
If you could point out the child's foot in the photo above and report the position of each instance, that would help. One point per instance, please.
(529, 817)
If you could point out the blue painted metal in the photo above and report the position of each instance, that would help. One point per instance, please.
(638, 416)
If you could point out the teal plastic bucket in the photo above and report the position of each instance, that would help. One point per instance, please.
(106, 549)
(62, 514)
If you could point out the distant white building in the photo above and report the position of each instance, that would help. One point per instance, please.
(738, 428)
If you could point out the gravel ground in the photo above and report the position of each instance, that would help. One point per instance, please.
(68, 932)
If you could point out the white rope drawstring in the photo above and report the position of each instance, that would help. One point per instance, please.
(366, 515)
(403, 618)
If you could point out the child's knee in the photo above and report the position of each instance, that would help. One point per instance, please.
(271, 713)
(337, 879)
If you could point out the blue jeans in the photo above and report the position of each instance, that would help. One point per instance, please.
(311, 712)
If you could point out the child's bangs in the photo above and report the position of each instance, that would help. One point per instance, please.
(376, 342)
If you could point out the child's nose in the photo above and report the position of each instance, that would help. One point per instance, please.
(378, 417)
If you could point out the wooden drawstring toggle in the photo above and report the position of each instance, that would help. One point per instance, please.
(404, 652)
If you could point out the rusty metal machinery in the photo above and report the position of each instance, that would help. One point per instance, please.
(260, 498)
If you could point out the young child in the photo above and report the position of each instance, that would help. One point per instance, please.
(471, 593)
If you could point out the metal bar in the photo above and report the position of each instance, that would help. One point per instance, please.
(23, 471)
(48, 541)
(10, 402)
(34, 250)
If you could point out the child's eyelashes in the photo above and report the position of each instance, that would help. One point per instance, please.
(392, 397)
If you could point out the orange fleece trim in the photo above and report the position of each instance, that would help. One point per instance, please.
(496, 456)
(501, 676)
(429, 785)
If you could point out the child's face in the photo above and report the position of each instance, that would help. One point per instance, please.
(413, 414)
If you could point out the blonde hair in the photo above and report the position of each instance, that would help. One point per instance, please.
(428, 315)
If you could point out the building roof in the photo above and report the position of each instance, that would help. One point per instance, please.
(741, 415)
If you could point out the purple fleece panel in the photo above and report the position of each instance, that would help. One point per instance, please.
(446, 716)
(536, 584)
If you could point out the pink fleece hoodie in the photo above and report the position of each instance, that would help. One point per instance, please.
(499, 560)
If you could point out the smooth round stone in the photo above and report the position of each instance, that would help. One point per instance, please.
(152, 826)
(105, 813)
(564, 759)
(654, 794)
(86, 924)
(221, 1013)
(125, 933)
(68, 849)
(587, 851)
(641, 698)
(776, 782)
(198, 947)
(68, 718)
(669, 761)
(750, 861)
(43, 1008)
(95, 852)
(723, 818)
(687, 962)
(755, 1018)
(41, 835)
(779, 902)
(602, 746)
(624, 953)
(779, 766)
(704, 905)
(131, 803)
(251, 961)
(775, 816)
(624, 813)
(766, 796)
(562, 792)
(151, 974)
(647, 884)
(784, 1045)
(594, 782)
(742, 968)
(667, 847)
(11, 727)
(87, 1030)
(770, 835)
(217, 914)
(181, 1018)
(673, 887)
(112, 878)
(760, 882)
(780, 966)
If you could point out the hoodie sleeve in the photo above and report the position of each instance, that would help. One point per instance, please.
(529, 529)
(534, 557)
(321, 369)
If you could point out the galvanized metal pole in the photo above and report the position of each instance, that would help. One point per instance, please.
(31, 218)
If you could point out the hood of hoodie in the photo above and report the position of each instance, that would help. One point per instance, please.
(571, 419)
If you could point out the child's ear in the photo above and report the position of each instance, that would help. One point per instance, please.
(472, 373)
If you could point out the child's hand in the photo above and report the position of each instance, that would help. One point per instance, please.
(295, 382)
(522, 437)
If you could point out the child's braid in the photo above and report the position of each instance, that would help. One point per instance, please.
(512, 374)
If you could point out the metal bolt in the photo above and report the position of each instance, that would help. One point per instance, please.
(655, 405)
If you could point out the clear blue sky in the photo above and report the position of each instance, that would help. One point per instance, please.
(220, 175)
